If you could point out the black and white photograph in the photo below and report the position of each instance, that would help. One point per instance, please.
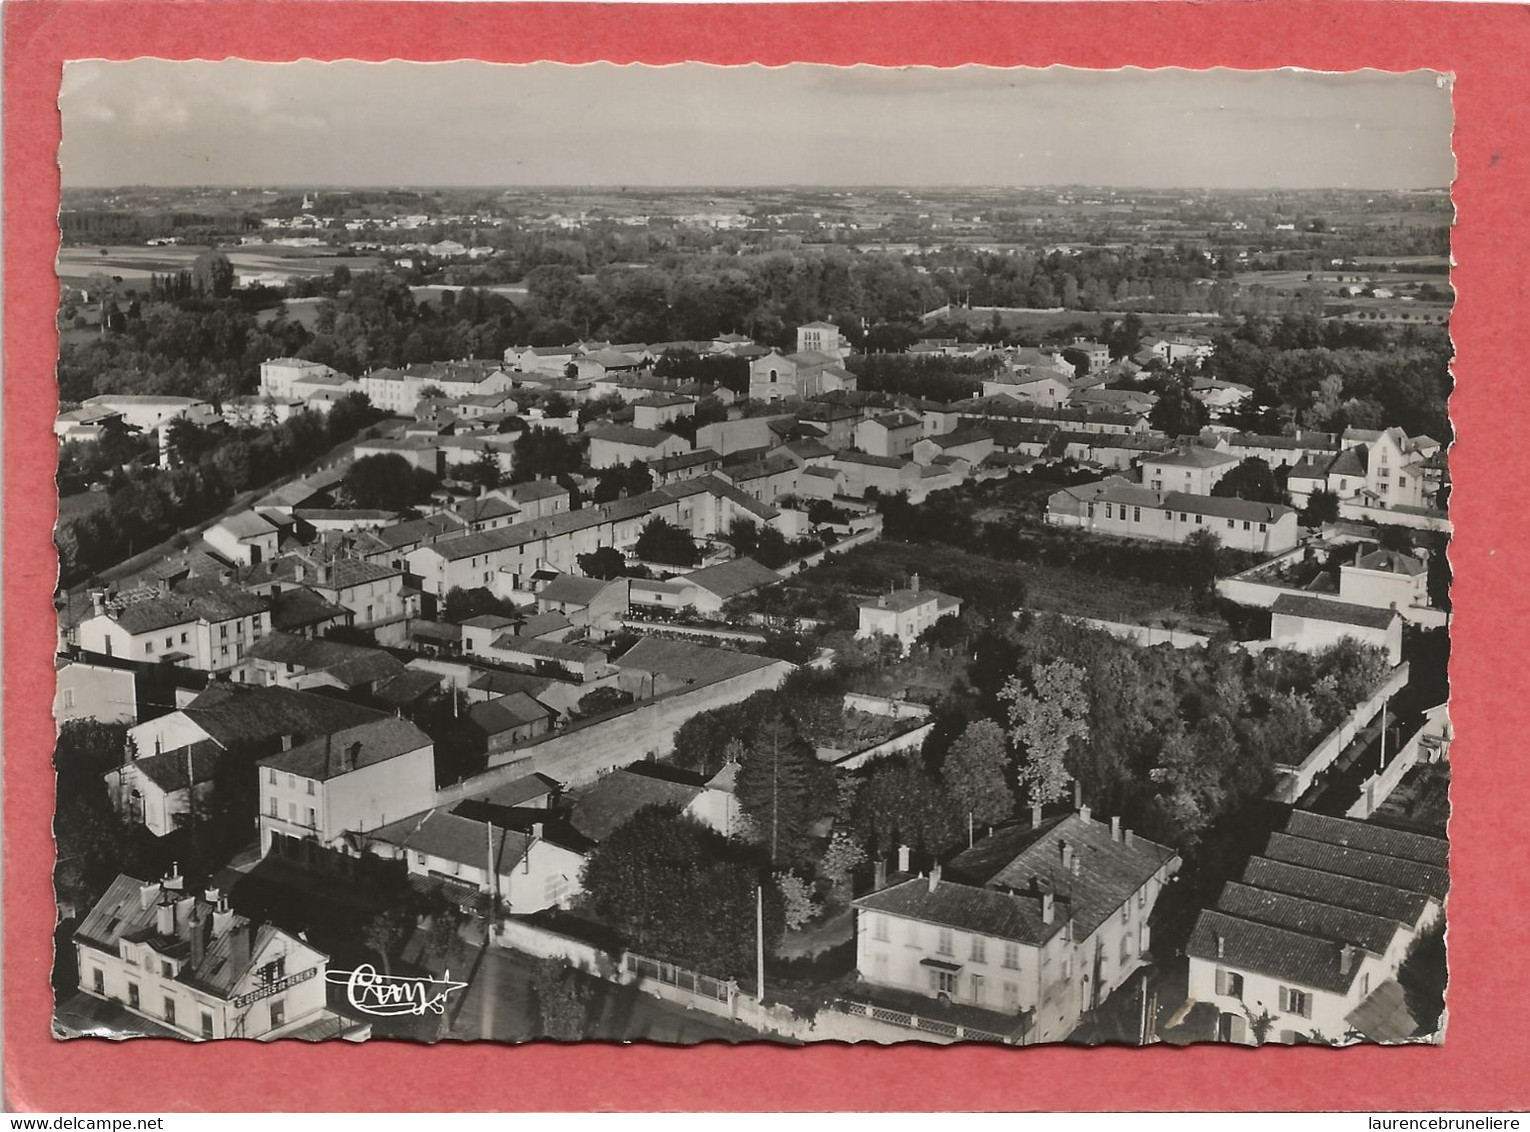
(752, 554)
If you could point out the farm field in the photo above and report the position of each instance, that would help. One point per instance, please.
(136, 263)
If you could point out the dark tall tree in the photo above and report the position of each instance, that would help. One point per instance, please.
(385, 481)
(213, 275)
(1251, 479)
(543, 453)
(662, 541)
(976, 772)
(783, 789)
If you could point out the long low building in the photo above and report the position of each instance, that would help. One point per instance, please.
(1307, 944)
(1116, 507)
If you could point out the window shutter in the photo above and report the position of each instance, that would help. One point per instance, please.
(1285, 997)
(1221, 981)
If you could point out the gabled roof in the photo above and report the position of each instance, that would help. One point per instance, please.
(573, 589)
(508, 712)
(637, 437)
(1359, 863)
(1283, 954)
(689, 663)
(1193, 457)
(452, 837)
(729, 579)
(1339, 612)
(1109, 872)
(599, 810)
(1391, 561)
(212, 603)
(354, 748)
(1373, 838)
(351, 665)
(235, 713)
(247, 525)
(168, 770)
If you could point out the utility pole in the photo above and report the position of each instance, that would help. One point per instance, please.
(759, 949)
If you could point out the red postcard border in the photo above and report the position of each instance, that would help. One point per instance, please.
(1481, 1065)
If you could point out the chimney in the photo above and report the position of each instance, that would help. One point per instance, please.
(173, 879)
(1035, 815)
(164, 915)
(98, 602)
(147, 895)
(913, 584)
(1067, 854)
(934, 878)
(164, 587)
(1048, 906)
(1221, 946)
(239, 948)
(1115, 828)
(222, 917)
(1083, 814)
(1126, 837)
(879, 875)
(1346, 959)
(200, 928)
(184, 908)
(536, 831)
(286, 744)
(903, 858)
(1078, 794)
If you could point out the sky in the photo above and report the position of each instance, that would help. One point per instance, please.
(240, 123)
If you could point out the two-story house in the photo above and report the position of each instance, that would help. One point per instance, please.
(209, 628)
(1306, 946)
(1194, 470)
(193, 968)
(1034, 926)
(905, 614)
(351, 781)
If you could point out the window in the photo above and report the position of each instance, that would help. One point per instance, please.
(98, 980)
(271, 809)
(1011, 955)
(1245, 524)
(1107, 511)
(947, 942)
(313, 821)
(1263, 527)
(185, 637)
(1198, 519)
(291, 782)
(271, 777)
(1142, 897)
(167, 969)
(1126, 911)
(133, 995)
(169, 1010)
(979, 988)
(879, 930)
(170, 642)
(69, 697)
(1293, 1001)
(1402, 481)
(148, 646)
(292, 811)
(1136, 514)
(1011, 996)
(207, 1030)
(979, 949)
(278, 1013)
(1126, 947)
(1183, 518)
(310, 786)
(1365, 985)
(1067, 966)
(223, 632)
(943, 982)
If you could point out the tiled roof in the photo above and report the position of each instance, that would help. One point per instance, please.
(168, 770)
(408, 686)
(537, 489)
(213, 605)
(542, 649)
(452, 837)
(1194, 457)
(1290, 956)
(689, 663)
(233, 713)
(1109, 871)
(1311, 917)
(413, 531)
(246, 524)
(332, 756)
(503, 683)
(1339, 612)
(1427, 879)
(508, 712)
(352, 665)
(729, 579)
(901, 601)
(1370, 837)
(573, 589)
(961, 437)
(1392, 561)
(124, 911)
(983, 911)
(637, 437)
(599, 810)
(1399, 904)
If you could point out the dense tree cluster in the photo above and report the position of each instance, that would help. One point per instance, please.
(210, 466)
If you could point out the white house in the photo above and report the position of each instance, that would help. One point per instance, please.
(905, 614)
(1035, 926)
(208, 629)
(1311, 624)
(354, 780)
(893, 434)
(1193, 469)
(617, 445)
(245, 539)
(1307, 944)
(193, 968)
(1115, 507)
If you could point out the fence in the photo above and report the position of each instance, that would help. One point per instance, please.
(950, 1030)
(1147, 635)
(639, 967)
(521, 935)
(904, 741)
(883, 705)
(681, 629)
(1297, 778)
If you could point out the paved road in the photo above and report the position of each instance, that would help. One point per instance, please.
(499, 1004)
